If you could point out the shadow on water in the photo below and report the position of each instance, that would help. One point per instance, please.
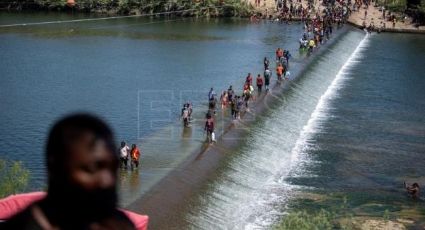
(52, 70)
(60, 33)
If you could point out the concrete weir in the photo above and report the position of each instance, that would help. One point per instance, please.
(166, 202)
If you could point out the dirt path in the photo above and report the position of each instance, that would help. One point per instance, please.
(373, 15)
(264, 4)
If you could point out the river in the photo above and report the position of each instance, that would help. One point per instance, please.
(351, 124)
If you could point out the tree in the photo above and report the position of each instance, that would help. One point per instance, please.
(13, 178)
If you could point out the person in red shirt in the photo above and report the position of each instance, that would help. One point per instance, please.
(259, 83)
(279, 54)
(246, 86)
(135, 155)
(249, 79)
(279, 71)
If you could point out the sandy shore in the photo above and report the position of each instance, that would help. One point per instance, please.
(356, 18)
(167, 202)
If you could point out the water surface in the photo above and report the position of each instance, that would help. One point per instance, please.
(134, 72)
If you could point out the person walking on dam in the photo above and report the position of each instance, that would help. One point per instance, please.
(124, 153)
(267, 76)
(259, 83)
(135, 156)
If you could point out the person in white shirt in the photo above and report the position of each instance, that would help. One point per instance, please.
(124, 153)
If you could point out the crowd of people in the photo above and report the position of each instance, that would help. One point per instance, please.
(336, 10)
(238, 103)
(319, 28)
(294, 9)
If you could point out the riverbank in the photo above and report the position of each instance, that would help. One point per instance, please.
(113, 8)
(357, 18)
(166, 202)
(374, 16)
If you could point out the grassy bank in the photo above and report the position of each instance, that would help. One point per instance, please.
(13, 178)
(415, 10)
(185, 8)
(336, 211)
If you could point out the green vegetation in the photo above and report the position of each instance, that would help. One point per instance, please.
(340, 218)
(419, 13)
(413, 8)
(317, 215)
(187, 8)
(304, 220)
(396, 5)
(13, 178)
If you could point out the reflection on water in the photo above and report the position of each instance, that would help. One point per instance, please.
(134, 72)
(129, 180)
(186, 134)
(53, 32)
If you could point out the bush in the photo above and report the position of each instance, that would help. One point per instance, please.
(340, 217)
(13, 178)
(213, 8)
(397, 5)
(303, 220)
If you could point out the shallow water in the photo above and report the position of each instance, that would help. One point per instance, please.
(251, 188)
(374, 137)
(134, 72)
(352, 126)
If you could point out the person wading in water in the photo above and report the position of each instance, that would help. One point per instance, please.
(212, 100)
(259, 83)
(279, 72)
(209, 129)
(135, 155)
(267, 77)
(124, 152)
(413, 190)
(185, 115)
(249, 79)
(266, 63)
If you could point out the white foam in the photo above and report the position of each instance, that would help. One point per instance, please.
(321, 112)
(253, 194)
(298, 153)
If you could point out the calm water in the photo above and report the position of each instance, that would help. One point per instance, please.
(134, 72)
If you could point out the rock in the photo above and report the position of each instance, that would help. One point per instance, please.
(381, 225)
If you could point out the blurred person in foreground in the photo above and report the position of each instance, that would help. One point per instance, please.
(82, 180)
